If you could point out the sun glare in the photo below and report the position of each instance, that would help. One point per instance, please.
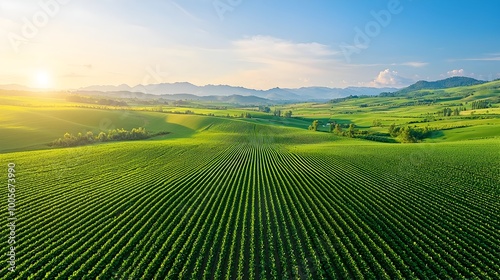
(42, 79)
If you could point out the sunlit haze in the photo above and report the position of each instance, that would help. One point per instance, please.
(255, 44)
(42, 80)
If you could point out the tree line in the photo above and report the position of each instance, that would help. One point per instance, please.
(70, 140)
(446, 112)
(337, 128)
(276, 112)
(90, 100)
(407, 134)
(481, 104)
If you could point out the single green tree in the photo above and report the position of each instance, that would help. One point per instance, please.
(351, 130)
(314, 125)
(338, 129)
(102, 137)
(90, 136)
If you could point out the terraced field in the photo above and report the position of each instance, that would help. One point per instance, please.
(246, 201)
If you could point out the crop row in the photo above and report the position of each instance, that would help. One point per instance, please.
(252, 210)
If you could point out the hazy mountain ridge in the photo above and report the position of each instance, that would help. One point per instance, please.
(275, 94)
(234, 98)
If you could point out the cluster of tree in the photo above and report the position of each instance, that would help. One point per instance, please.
(332, 124)
(421, 102)
(376, 138)
(278, 113)
(481, 104)
(351, 130)
(376, 123)
(246, 115)
(388, 94)
(408, 134)
(90, 100)
(336, 128)
(349, 112)
(158, 109)
(339, 100)
(446, 112)
(149, 102)
(70, 140)
(264, 109)
(187, 112)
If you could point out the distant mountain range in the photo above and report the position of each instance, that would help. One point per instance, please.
(17, 87)
(274, 94)
(241, 95)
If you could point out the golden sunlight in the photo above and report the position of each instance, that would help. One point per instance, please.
(43, 79)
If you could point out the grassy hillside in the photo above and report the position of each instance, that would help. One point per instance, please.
(34, 127)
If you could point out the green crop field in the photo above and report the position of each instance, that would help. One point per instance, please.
(239, 199)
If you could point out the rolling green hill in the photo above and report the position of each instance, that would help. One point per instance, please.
(441, 84)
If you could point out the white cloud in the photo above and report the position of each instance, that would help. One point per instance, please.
(390, 78)
(454, 73)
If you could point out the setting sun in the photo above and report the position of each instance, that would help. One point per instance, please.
(42, 79)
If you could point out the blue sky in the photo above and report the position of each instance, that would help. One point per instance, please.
(252, 43)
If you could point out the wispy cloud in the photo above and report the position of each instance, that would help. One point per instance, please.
(268, 49)
(415, 64)
(487, 57)
(484, 59)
